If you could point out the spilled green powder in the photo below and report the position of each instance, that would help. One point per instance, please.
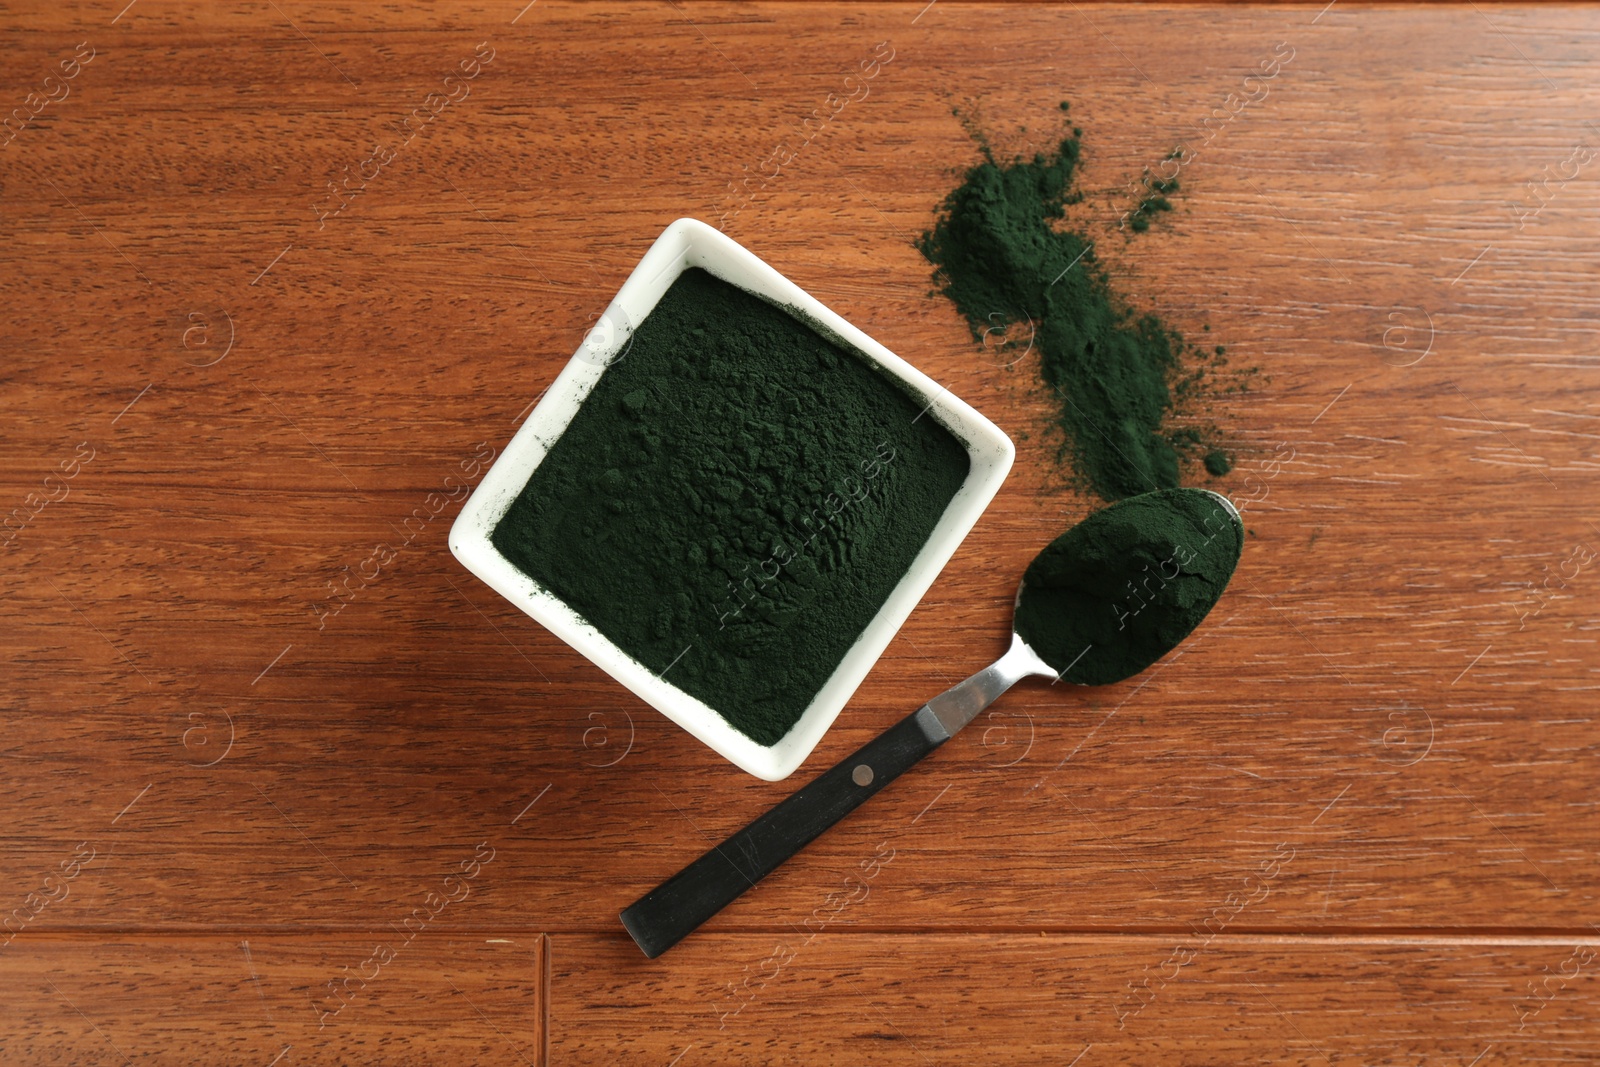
(1119, 590)
(1116, 376)
(734, 501)
(1154, 201)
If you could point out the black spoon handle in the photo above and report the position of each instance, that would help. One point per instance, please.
(665, 915)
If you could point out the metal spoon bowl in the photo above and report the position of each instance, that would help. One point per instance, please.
(965, 701)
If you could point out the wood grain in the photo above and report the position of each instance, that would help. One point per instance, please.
(1390, 710)
(215, 998)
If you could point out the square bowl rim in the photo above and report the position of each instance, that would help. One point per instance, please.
(684, 244)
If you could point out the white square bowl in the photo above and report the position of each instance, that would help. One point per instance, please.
(690, 243)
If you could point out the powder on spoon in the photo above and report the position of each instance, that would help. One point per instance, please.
(1119, 590)
(734, 502)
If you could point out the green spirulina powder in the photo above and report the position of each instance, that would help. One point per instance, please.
(734, 501)
(1119, 590)
(1115, 375)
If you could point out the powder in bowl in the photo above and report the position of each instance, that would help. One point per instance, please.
(734, 501)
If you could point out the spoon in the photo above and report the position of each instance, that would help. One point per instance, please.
(671, 911)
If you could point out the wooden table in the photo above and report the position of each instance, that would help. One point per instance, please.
(273, 795)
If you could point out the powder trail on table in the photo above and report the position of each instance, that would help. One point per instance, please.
(1119, 590)
(1114, 375)
(734, 501)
